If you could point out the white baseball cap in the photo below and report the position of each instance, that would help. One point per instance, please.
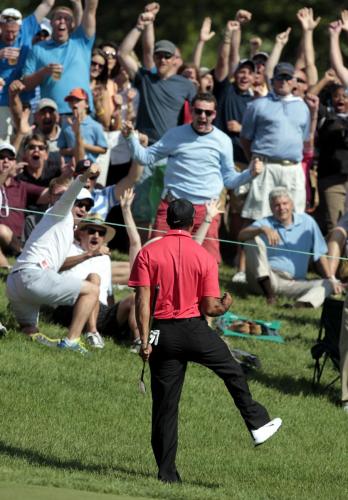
(11, 16)
(6, 146)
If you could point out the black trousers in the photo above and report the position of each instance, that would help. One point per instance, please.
(181, 341)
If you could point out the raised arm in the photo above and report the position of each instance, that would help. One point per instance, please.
(148, 39)
(43, 9)
(328, 78)
(280, 42)
(336, 58)
(212, 210)
(242, 17)
(308, 23)
(126, 201)
(312, 102)
(222, 64)
(130, 41)
(205, 35)
(78, 11)
(89, 17)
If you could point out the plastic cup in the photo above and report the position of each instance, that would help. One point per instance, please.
(12, 61)
(57, 73)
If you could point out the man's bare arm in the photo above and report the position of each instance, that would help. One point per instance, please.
(280, 42)
(89, 17)
(43, 9)
(212, 306)
(337, 64)
(130, 41)
(222, 65)
(148, 38)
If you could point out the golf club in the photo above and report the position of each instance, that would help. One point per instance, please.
(142, 387)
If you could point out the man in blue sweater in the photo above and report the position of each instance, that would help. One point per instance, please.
(200, 164)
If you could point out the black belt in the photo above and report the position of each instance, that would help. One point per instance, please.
(284, 163)
(177, 319)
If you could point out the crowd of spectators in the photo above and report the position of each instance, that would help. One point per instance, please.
(266, 137)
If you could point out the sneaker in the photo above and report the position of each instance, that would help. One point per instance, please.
(345, 407)
(3, 330)
(72, 345)
(42, 339)
(263, 433)
(239, 277)
(95, 340)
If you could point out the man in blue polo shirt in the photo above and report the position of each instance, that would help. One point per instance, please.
(282, 270)
(16, 35)
(62, 63)
(274, 128)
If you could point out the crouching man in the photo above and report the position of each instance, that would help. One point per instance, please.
(89, 259)
(35, 281)
(278, 254)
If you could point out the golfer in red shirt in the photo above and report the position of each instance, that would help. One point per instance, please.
(188, 289)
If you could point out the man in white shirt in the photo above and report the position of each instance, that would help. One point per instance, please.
(88, 259)
(35, 281)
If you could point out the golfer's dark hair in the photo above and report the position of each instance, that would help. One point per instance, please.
(180, 214)
(204, 96)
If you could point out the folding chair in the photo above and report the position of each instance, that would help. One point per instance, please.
(327, 345)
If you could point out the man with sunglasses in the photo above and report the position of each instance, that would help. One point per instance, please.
(17, 195)
(162, 96)
(274, 129)
(200, 163)
(35, 281)
(89, 259)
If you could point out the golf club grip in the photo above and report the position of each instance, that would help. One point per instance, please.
(153, 305)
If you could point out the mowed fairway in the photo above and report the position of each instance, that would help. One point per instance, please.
(80, 423)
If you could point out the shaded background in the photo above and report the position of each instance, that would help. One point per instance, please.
(180, 21)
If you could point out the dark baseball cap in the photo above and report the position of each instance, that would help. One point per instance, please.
(180, 213)
(165, 46)
(260, 56)
(245, 62)
(284, 68)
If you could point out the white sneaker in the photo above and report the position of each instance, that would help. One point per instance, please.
(263, 433)
(345, 407)
(239, 277)
(95, 340)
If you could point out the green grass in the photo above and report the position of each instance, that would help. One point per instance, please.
(80, 423)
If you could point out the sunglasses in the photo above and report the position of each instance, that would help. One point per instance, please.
(110, 54)
(299, 80)
(200, 111)
(32, 147)
(94, 178)
(8, 156)
(163, 55)
(99, 65)
(94, 230)
(280, 78)
(86, 204)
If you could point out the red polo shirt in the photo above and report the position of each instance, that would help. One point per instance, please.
(183, 269)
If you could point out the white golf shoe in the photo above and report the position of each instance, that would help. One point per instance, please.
(263, 433)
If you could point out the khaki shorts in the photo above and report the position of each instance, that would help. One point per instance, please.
(28, 289)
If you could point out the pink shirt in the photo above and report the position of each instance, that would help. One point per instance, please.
(184, 271)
